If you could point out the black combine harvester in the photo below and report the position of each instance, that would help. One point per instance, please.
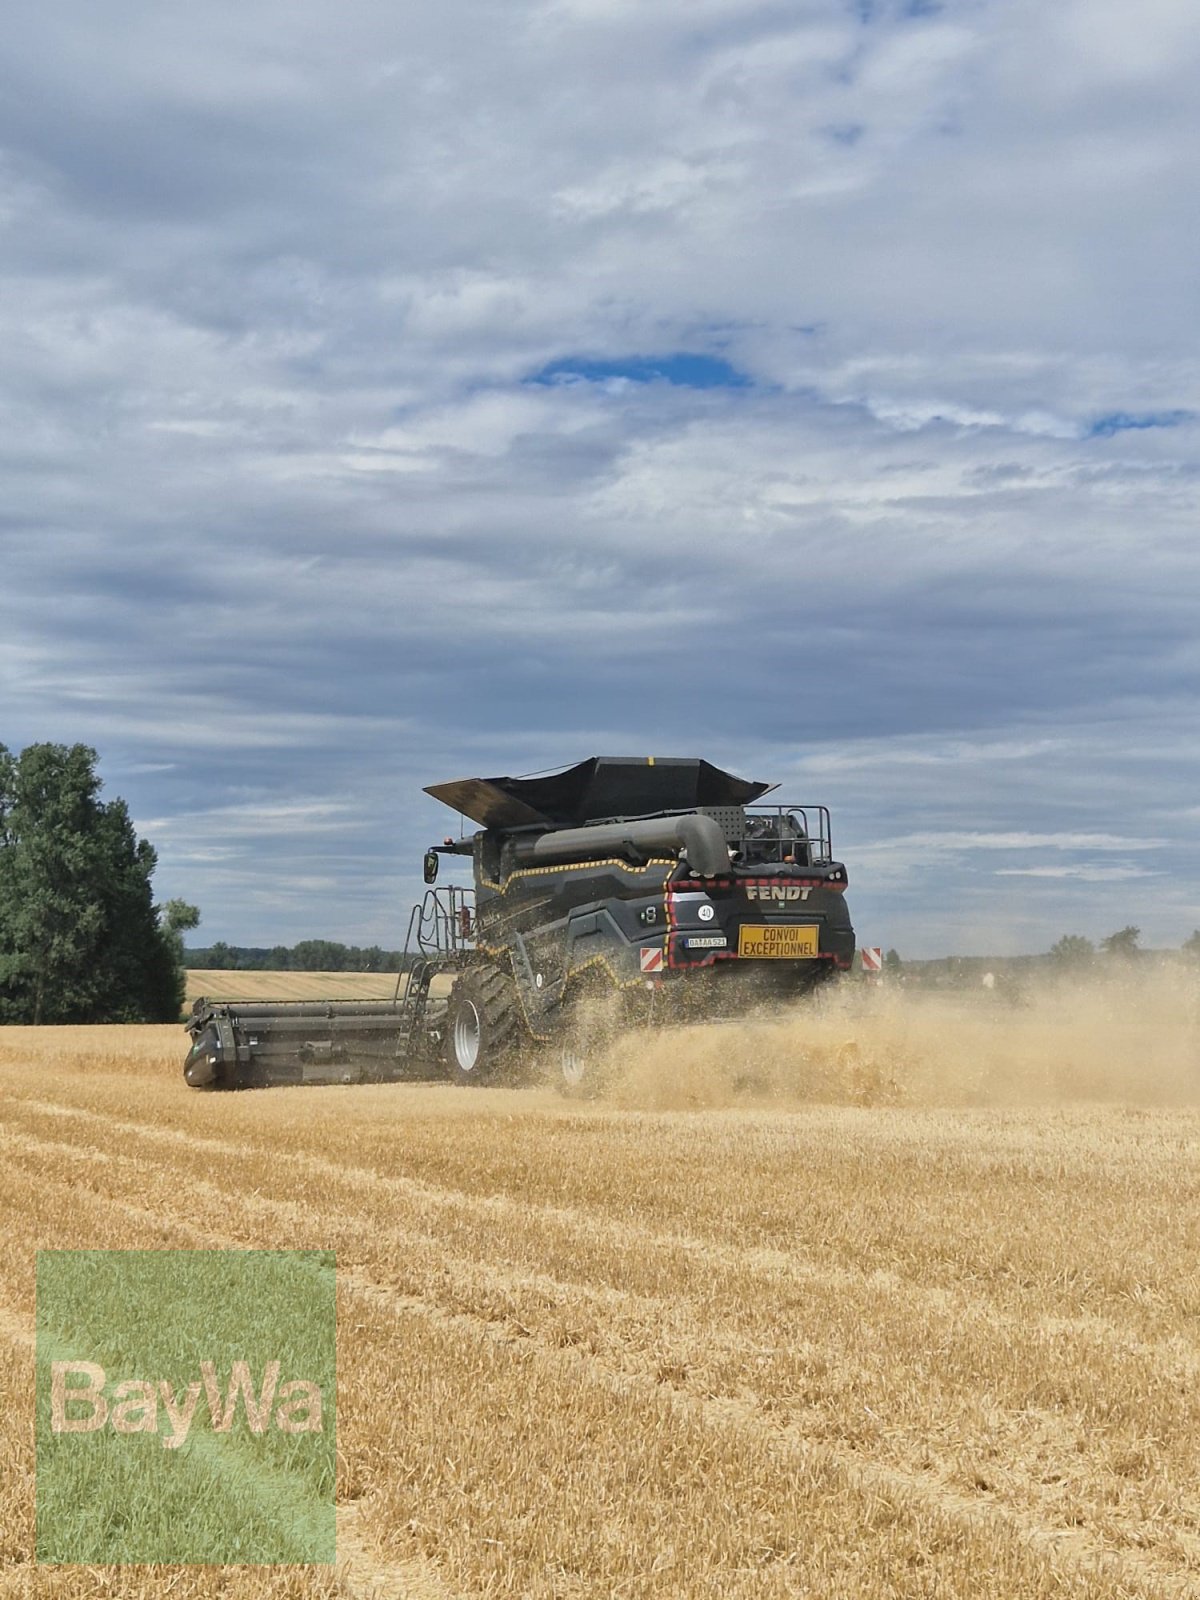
(658, 883)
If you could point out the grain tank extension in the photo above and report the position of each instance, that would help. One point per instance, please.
(667, 890)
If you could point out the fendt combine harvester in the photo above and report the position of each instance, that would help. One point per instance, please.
(657, 883)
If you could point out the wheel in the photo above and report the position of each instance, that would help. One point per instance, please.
(584, 1033)
(572, 1065)
(481, 1025)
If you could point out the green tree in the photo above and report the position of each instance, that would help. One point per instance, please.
(1122, 943)
(1072, 950)
(1192, 946)
(80, 937)
(319, 955)
(175, 919)
(51, 916)
(892, 961)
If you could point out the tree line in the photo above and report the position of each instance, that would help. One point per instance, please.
(310, 955)
(81, 939)
(1073, 950)
(1073, 953)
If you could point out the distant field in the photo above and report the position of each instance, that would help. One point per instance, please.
(217, 985)
(891, 1299)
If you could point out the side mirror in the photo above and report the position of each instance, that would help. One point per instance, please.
(431, 866)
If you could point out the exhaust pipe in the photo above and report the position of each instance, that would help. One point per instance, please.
(699, 839)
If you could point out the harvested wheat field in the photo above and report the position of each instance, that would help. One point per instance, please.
(895, 1297)
(215, 984)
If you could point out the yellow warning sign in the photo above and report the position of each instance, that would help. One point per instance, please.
(778, 943)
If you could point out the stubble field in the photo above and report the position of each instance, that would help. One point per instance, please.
(216, 984)
(899, 1297)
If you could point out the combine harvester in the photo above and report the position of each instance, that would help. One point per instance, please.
(657, 883)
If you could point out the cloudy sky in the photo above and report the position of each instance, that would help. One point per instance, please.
(398, 392)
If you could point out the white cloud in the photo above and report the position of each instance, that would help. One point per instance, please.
(1084, 872)
(258, 817)
(927, 844)
(282, 517)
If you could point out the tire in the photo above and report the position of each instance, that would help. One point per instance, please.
(573, 1071)
(584, 1032)
(482, 1028)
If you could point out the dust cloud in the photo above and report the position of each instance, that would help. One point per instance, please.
(1130, 1037)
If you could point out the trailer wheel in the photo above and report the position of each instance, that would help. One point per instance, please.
(481, 1025)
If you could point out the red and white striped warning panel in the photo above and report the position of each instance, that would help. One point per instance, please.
(872, 958)
(652, 958)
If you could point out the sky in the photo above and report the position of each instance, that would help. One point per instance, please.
(397, 393)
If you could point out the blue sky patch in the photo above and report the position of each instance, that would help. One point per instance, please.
(682, 368)
(1127, 421)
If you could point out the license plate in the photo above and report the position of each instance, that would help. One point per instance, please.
(778, 943)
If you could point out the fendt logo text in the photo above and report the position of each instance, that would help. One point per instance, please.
(777, 891)
(294, 1407)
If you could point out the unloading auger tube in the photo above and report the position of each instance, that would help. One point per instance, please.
(668, 885)
(699, 839)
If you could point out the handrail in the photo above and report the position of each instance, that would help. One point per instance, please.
(442, 924)
(785, 825)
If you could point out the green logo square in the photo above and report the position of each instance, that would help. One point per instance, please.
(185, 1406)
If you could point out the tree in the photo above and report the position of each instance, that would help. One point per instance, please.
(1072, 950)
(80, 937)
(175, 919)
(50, 920)
(892, 961)
(1192, 946)
(1123, 943)
(319, 955)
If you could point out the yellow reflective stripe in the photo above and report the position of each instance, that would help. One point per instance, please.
(573, 866)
